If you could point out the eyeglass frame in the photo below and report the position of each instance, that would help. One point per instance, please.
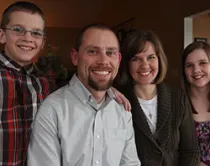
(23, 33)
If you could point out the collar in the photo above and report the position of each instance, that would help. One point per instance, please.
(7, 62)
(84, 94)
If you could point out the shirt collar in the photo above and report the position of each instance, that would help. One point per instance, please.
(83, 93)
(9, 63)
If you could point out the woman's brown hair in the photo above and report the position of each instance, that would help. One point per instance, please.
(135, 43)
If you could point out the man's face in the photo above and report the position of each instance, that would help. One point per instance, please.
(22, 48)
(98, 59)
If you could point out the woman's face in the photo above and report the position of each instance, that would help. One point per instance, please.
(197, 68)
(144, 66)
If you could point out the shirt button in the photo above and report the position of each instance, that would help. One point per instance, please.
(98, 136)
(97, 162)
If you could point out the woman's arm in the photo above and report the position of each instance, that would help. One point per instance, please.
(122, 99)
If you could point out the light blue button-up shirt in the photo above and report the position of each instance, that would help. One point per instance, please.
(69, 130)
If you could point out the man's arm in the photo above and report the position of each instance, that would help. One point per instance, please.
(129, 156)
(44, 148)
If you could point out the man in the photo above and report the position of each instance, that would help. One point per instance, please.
(22, 89)
(81, 124)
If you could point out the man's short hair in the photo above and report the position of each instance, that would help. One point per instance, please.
(90, 26)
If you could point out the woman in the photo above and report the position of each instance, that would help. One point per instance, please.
(196, 78)
(163, 124)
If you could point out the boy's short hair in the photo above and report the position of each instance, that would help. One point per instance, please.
(20, 6)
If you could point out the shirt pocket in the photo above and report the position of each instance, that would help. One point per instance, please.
(115, 142)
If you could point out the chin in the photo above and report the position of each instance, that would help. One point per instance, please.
(98, 86)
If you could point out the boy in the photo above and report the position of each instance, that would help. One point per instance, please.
(21, 88)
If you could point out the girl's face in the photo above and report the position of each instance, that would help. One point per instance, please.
(143, 66)
(197, 68)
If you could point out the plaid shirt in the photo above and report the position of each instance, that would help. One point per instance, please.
(21, 92)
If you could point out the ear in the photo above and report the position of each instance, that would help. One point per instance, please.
(2, 36)
(120, 57)
(43, 43)
(74, 57)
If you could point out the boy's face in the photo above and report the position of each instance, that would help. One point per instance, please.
(23, 48)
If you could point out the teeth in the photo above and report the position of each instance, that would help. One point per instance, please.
(146, 73)
(101, 72)
(197, 77)
(25, 48)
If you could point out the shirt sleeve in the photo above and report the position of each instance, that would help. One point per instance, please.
(44, 147)
(129, 156)
(188, 146)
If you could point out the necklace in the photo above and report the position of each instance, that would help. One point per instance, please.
(150, 115)
(149, 106)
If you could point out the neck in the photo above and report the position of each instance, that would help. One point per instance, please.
(145, 92)
(199, 93)
(98, 95)
(200, 99)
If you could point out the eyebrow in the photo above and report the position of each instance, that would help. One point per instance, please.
(147, 55)
(96, 47)
(188, 63)
(22, 26)
(113, 48)
(201, 60)
(17, 25)
(152, 54)
(92, 46)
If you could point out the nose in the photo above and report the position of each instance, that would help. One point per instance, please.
(102, 58)
(144, 64)
(27, 36)
(196, 69)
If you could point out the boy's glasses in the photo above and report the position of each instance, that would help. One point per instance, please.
(19, 31)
